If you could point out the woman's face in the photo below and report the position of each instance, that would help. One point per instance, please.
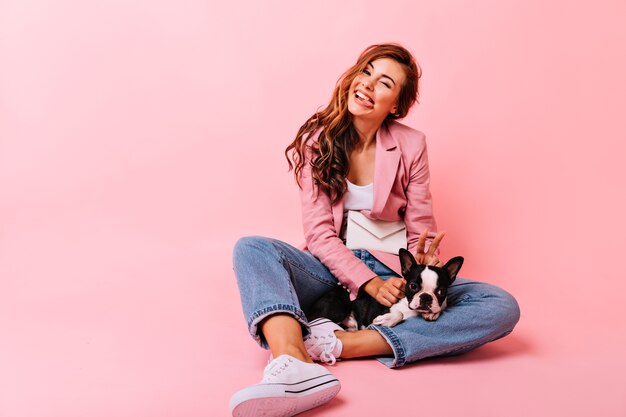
(374, 92)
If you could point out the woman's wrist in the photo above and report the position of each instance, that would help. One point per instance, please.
(373, 285)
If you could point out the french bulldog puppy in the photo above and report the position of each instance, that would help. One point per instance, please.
(425, 292)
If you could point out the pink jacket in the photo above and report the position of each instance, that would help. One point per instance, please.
(401, 191)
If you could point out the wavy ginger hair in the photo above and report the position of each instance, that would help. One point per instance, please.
(330, 156)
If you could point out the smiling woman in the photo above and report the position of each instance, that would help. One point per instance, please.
(336, 155)
(387, 76)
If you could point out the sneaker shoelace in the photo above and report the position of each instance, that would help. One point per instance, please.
(273, 369)
(327, 345)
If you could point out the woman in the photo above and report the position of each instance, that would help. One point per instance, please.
(353, 155)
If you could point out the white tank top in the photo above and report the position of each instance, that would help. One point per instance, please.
(358, 197)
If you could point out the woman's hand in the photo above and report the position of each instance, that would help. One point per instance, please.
(386, 292)
(428, 258)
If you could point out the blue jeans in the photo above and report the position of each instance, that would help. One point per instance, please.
(275, 277)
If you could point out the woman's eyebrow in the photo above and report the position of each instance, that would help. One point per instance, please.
(384, 75)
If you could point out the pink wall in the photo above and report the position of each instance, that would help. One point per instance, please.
(139, 140)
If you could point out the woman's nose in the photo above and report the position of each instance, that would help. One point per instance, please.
(367, 82)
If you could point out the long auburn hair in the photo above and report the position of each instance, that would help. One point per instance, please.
(330, 157)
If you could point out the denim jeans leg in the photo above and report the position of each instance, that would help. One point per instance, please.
(477, 313)
(275, 277)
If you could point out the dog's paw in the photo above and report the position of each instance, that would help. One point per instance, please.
(431, 316)
(350, 324)
(389, 319)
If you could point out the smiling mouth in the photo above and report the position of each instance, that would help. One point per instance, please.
(363, 99)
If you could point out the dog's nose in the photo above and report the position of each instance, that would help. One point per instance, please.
(426, 299)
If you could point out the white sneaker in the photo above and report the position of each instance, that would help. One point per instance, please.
(289, 386)
(322, 344)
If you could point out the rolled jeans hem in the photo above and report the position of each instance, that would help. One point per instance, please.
(399, 353)
(260, 315)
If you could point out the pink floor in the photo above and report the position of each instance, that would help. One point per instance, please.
(140, 328)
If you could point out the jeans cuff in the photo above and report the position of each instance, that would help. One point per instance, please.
(399, 354)
(260, 315)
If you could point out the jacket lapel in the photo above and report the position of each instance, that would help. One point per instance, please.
(385, 168)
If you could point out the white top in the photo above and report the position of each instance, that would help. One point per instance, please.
(358, 197)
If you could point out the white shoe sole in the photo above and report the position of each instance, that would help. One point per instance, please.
(284, 400)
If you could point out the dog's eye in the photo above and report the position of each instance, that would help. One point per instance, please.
(440, 292)
(413, 286)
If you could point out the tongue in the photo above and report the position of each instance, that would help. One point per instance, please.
(364, 101)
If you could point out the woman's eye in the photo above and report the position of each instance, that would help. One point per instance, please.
(386, 85)
(365, 71)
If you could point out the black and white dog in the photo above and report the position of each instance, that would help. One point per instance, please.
(426, 292)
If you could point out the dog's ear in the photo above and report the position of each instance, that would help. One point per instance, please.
(406, 260)
(453, 266)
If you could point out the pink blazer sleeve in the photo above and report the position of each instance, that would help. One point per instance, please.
(321, 237)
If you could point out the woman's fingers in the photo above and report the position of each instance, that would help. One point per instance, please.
(428, 258)
(436, 262)
(421, 242)
(433, 261)
(382, 300)
(396, 286)
(435, 244)
(396, 293)
(391, 291)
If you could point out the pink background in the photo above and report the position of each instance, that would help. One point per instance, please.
(139, 140)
